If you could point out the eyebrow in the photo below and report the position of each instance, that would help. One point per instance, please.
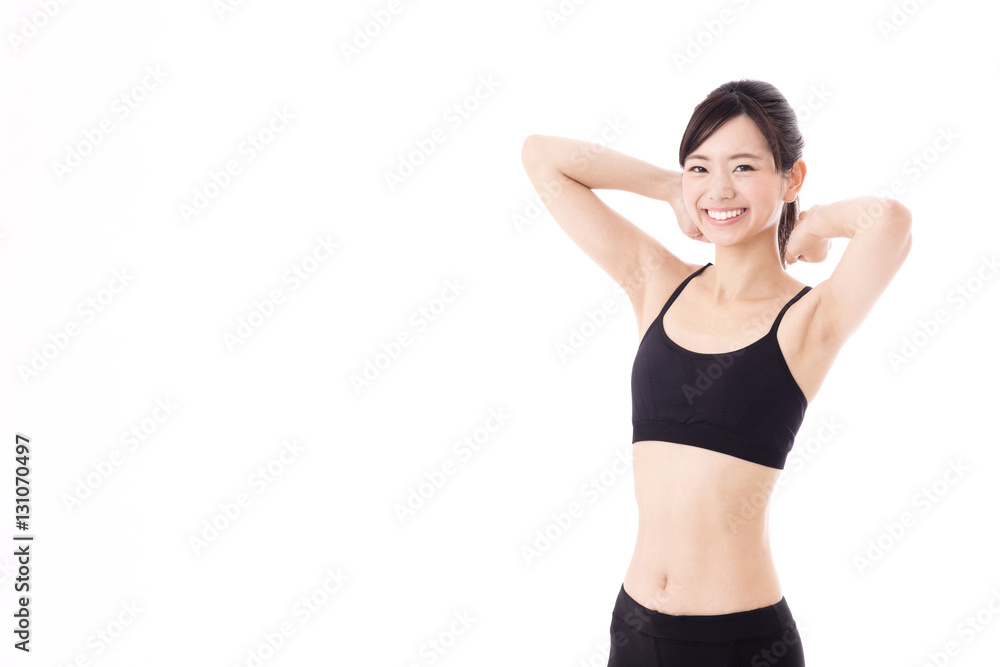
(755, 156)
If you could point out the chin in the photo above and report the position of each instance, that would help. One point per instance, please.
(722, 240)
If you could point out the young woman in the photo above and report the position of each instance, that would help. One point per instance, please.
(731, 353)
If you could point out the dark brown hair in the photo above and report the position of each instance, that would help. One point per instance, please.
(763, 104)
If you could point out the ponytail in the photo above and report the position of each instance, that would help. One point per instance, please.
(788, 215)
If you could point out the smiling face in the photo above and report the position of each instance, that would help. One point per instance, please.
(732, 189)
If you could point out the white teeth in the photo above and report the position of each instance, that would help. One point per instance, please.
(724, 215)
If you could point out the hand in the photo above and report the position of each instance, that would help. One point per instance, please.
(803, 245)
(673, 194)
(686, 224)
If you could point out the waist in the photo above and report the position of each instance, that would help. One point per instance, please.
(757, 622)
(702, 542)
(692, 492)
(682, 578)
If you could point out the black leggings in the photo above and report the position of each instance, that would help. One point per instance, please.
(764, 637)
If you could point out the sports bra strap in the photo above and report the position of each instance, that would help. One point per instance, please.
(681, 287)
(781, 313)
(777, 320)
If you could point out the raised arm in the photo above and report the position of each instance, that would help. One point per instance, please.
(565, 172)
(879, 230)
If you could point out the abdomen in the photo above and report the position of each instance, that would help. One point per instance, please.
(702, 545)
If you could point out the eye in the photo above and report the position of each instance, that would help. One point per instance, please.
(747, 166)
(696, 167)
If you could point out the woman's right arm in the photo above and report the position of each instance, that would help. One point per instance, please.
(565, 172)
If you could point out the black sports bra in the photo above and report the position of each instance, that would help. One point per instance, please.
(743, 403)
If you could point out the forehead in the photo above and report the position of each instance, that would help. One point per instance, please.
(736, 135)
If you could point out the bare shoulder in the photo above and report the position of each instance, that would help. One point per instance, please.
(808, 352)
(656, 277)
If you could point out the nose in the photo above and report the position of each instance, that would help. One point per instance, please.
(720, 186)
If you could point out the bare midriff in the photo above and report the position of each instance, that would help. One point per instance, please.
(702, 546)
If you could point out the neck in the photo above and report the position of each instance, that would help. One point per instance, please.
(747, 271)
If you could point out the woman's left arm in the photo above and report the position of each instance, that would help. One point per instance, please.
(879, 230)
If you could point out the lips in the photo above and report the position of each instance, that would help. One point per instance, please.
(727, 221)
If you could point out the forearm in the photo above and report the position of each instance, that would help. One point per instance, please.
(599, 167)
(844, 219)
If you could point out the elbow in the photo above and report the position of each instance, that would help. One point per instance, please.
(897, 216)
(529, 149)
(899, 219)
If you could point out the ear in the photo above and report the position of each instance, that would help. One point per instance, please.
(793, 182)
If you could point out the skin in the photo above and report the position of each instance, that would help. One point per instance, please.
(697, 551)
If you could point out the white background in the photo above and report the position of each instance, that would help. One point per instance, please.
(494, 346)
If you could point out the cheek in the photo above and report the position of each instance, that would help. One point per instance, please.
(758, 193)
(762, 198)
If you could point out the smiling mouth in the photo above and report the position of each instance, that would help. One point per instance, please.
(724, 216)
